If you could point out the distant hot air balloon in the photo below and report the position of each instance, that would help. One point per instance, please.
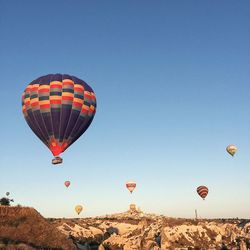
(7, 193)
(202, 191)
(131, 186)
(67, 183)
(58, 108)
(231, 149)
(78, 209)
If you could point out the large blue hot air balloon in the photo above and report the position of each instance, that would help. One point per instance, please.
(58, 108)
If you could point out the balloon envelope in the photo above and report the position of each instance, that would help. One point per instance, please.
(7, 193)
(58, 108)
(67, 183)
(78, 209)
(231, 149)
(202, 191)
(131, 185)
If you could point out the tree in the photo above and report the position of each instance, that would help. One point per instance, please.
(5, 201)
(223, 247)
(248, 244)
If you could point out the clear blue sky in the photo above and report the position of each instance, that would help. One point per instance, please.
(173, 90)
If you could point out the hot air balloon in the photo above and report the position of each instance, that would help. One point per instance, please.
(7, 193)
(231, 149)
(67, 183)
(202, 191)
(58, 108)
(131, 186)
(78, 209)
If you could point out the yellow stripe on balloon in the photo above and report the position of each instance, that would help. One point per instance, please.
(85, 107)
(55, 97)
(65, 81)
(78, 100)
(92, 107)
(43, 87)
(44, 102)
(67, 94)
(34, 100)
(35, 86)
(78, 86)
(56, 83)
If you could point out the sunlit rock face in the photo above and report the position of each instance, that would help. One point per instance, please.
(137, 230)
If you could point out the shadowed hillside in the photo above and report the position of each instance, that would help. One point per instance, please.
(26, 228)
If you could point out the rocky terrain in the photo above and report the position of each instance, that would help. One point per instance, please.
(24, 228)
(136, 230)
(131, 230)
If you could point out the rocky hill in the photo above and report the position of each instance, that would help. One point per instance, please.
(25, 228)
(139, 231)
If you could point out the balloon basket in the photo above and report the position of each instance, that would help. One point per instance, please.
(57, 160)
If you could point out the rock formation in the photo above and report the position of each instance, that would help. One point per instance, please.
(136, 230)
(25, 228)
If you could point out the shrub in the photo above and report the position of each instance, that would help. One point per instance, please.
(5, 201)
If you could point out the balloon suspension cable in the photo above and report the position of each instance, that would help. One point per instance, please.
(57, 160)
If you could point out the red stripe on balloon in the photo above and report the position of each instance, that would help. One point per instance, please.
(43, 91)
(45, 106)
(34, 104)
(67, 98)
(77, 104)
(55, 86)
(78, 89)
(55, 102)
